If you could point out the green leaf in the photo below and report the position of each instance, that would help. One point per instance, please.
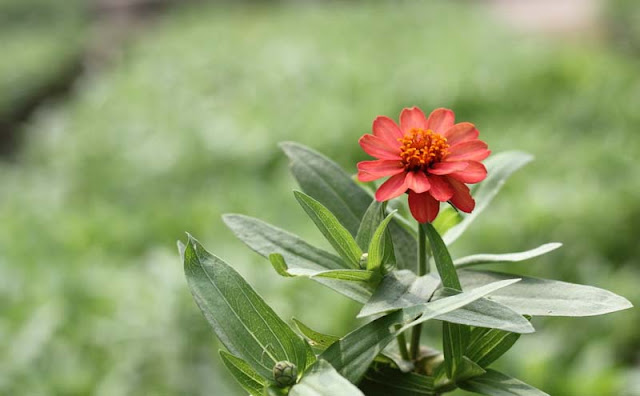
(447, 219)
(370, 221)
(388, 381)
(487, 345)
(405, 245)
(345, 275)
(544, 297)
(399, 289)
(316, 339)
(499, 167)
(353, 353)
(323, 380)
(485, 313)
(325, 181)
(455, 338)
(243, 322)
(247, 377)
(266, 239)
(333, 231)
(508, 257)
(381, 246)
(468, 369)
(495, 383)
(278, 263)
(275, 390)
(442, 258)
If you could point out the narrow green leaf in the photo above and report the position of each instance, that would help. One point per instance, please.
(485, 313)
(442, 258)
(370, 221)
(325, 181)
(447, 219)
(455, 338)
(508, 257)
(405, 245)
(381, 246)
(243, 322)
(388, 381)
(333, 231)
(275, 390)
(544, 297)
(247, 377)
(487, 345)
(499, 167)
(278, 263)
(266, 239)
(323, 380)
(495, 383)
(345, 275)
(399, 289)
(316, 339)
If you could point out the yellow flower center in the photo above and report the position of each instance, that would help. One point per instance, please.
(422, 148)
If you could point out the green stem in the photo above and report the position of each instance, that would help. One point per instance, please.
(422, 270)
(402, 345)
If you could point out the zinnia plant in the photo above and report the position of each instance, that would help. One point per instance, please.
(383, 261)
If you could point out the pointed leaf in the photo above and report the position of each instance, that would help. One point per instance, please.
(485, 313)
(381, 247)
(495, 383)
(499, 167)
(455, 338)
(370, 221)
(333, 231)
(345, 275)
(399, 289)
(442, 258)
(247, 377)
(388, 381)
(316, 339)
(323, 380)
(487, 345)
(243, 322)
(468, 369)
(508, 257)
(266, 239)
(544, 297)
(325, 181)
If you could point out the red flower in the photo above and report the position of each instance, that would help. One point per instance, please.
(431, 157)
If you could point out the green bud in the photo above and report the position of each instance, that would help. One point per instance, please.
(363, 260)
(285, 373)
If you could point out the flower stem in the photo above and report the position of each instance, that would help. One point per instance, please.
(402, 345)
(422, 270)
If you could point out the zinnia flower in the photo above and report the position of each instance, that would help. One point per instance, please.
(431, 157)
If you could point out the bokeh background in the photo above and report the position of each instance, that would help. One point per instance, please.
(124, 123)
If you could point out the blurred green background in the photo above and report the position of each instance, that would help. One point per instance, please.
(161, 132)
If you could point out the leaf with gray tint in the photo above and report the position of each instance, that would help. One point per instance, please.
(323, 380)
(316, 339)
(507, 257)
(495, 383)
(390, 382)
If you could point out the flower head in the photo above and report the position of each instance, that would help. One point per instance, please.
(431, 158)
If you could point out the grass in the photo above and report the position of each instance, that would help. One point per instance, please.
(185, 128)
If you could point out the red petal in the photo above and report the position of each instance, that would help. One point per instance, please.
(440, 188)
(440, 120)
(385, 128)
(412, 118)
(444, 168)
(377, 147)
(372, 170)
(461, 198)
(423, 207)
(474, 150)
(474, 173)
(461, 132)
(392, 188)
(417, 181)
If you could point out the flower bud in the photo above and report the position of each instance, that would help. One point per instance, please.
(363, 260)
(285, 373)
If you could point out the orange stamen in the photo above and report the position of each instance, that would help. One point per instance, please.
(422, 148)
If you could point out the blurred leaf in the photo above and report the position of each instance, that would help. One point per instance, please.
(508, 257)
(316, 339)
(487, 345)
(494, 383)
(399, 289)
(381, 247)
(324, 380)
(326, 182)
(388, 381)
(447, 219)
(275, 390)
(405, 245)
(455, 338)
(333, 231)
(278, 263)
(485, 313)
(544, 297)
(247, 377)
(468, 369)
(266, 239)
(243, 322)
(370, 221)
(499, 167)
